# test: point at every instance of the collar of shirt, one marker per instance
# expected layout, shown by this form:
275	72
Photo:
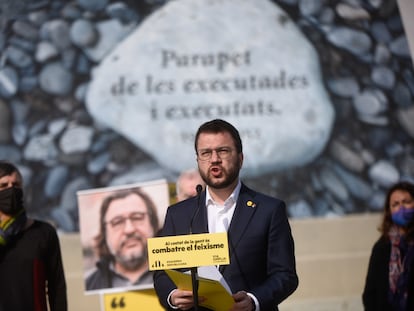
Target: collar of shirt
219	215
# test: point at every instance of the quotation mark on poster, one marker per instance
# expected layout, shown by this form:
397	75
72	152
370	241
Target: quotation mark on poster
115	303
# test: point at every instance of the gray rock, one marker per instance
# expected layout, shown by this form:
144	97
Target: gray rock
376	202
402	95
5	118
83	66
121	11
28	83
81	91
41	148
55	79
37	17
309	7
110	34
25	30
19	133
400	46
300	209
384	173
375	3
83	33
18	57
352	12
76	139
354	41
383	77
370	102
139	173
63	220
68	201
327	16
45	51
37	128
56	180
71	11
10	152
57	31
98	163
155	89
356	185
406	119
382	54
23	44
92	5
344	86
56	126
334	185
381	32
8	82
20	110
349	158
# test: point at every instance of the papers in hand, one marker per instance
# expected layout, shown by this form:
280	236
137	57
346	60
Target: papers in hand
212	287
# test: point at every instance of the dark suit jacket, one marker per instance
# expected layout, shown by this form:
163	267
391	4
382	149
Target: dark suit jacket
261	247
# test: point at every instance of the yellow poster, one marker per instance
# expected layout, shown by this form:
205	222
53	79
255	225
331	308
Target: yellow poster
215	295
132	301
186	251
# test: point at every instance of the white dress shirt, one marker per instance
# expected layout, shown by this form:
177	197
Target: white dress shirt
219	216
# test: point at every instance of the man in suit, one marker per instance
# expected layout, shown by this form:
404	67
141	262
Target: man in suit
262	271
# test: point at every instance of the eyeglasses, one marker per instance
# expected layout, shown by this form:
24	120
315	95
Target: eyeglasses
118	223
222	152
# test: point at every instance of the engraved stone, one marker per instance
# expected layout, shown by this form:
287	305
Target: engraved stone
193	61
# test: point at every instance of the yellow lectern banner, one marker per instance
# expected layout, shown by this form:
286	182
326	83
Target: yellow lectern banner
132	301
186	251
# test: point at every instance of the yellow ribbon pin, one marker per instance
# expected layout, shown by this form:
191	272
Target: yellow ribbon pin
250	204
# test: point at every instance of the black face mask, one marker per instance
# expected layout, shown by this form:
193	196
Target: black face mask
11	200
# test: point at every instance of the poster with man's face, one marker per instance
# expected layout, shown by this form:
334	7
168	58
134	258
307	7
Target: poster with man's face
115	223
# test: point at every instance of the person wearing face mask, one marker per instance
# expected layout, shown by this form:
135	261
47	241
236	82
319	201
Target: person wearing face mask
389	282
31	269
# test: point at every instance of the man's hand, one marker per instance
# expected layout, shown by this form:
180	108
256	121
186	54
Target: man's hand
183	299
243	302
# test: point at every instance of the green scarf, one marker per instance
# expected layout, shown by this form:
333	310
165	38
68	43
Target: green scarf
11	227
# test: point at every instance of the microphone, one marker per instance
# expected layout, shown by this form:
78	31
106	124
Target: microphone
199	188
194	273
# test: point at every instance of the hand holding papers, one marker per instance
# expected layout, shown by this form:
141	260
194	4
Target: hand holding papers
205	251
212	287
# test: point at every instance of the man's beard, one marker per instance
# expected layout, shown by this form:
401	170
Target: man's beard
132	261
230	176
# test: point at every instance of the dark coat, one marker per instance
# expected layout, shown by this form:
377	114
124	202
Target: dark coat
375	295
261	247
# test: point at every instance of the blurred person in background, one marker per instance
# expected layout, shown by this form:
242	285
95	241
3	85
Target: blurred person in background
31	269
187	183
389	284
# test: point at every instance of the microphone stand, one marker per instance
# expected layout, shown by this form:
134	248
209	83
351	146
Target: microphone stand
194	281
194	274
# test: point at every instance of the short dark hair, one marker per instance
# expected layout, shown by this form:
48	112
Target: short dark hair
102	247
219	126
7	168
387	222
